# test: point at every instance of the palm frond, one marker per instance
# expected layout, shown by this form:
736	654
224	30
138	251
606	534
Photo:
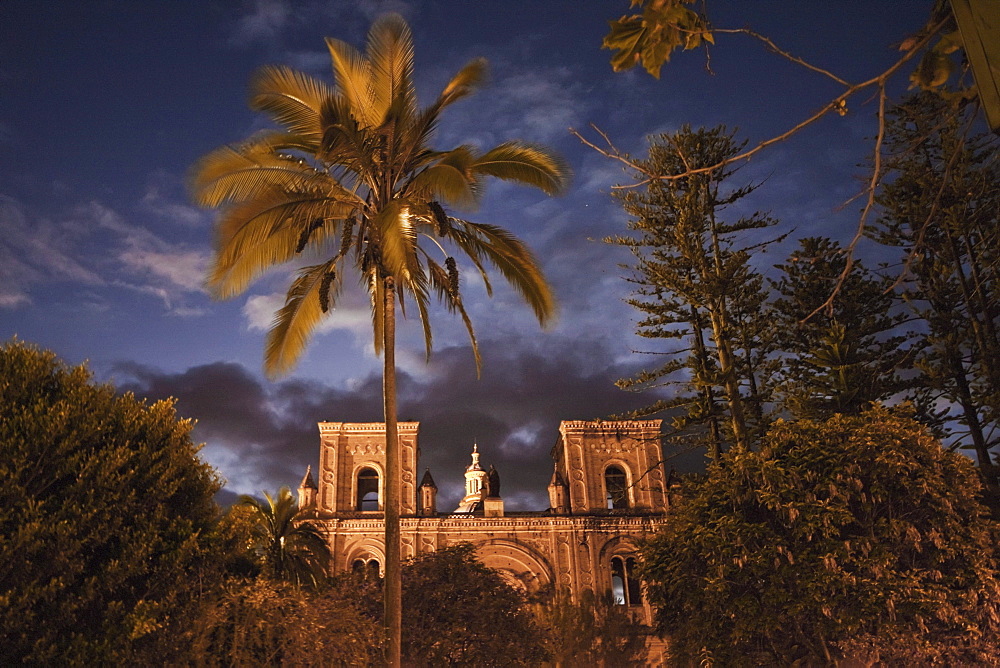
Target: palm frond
295	321
452	300
234	175
418	288
450	179
290	97
421	125
279	142
465	82
468	244
352	73
512	259
414	134
390	52
345	142
527	164
255	236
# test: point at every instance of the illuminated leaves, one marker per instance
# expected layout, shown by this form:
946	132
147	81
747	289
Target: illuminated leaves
936	65
106	516
651	37
834	530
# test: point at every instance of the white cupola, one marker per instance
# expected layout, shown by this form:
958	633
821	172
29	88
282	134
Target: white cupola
475	483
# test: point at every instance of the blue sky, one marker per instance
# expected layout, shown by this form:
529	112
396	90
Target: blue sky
105	105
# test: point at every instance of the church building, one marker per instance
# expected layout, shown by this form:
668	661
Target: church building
608	490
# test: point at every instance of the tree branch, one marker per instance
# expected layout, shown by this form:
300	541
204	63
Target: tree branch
839	104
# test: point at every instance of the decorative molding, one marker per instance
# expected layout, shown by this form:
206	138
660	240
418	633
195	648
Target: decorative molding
366	427
627	426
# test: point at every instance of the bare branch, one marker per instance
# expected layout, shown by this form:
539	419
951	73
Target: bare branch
869	204
785	54
836	104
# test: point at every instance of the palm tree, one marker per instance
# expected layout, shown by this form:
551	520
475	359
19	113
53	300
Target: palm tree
350	178
288	548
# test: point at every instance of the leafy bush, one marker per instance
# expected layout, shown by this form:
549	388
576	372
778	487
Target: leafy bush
106	514
835	533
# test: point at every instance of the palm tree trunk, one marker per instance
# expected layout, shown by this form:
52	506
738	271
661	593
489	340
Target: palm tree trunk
393	590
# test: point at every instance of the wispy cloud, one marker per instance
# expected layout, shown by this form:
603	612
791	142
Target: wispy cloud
35	251
170	270
93	246
264	21
165	200
522	102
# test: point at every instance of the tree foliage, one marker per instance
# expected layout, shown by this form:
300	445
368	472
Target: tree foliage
651	38
106	516
840	358
287	546
459	612
456	612
942	210
266	622
591	632
696	286
837	531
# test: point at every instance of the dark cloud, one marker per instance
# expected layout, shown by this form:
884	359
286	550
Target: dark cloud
264	434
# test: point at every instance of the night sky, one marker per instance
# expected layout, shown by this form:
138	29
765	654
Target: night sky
106	104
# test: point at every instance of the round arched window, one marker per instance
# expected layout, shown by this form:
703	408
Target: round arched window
367	490
616	487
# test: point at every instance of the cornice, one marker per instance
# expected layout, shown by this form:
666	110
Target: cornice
365	427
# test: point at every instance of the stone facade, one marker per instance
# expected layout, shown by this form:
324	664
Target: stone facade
608	490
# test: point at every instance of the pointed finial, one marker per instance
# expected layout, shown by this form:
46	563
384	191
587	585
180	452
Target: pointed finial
474	466
307	479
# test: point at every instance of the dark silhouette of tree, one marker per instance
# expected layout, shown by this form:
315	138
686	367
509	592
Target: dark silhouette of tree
842	358
592	632
695	287
266	622
942	210
459	612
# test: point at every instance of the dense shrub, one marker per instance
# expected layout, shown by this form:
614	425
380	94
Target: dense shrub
858	535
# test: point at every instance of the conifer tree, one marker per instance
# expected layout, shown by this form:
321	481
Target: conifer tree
696	287
942	209
841	358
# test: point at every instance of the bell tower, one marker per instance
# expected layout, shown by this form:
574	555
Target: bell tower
352	467
610	466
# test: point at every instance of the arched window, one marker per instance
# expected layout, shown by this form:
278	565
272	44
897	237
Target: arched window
625	588
366	569
616	487
367	495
